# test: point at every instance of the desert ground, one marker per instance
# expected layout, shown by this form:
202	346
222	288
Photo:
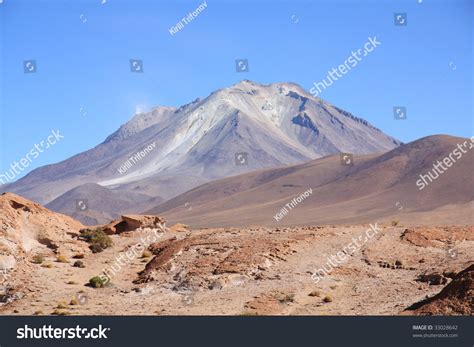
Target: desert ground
241	271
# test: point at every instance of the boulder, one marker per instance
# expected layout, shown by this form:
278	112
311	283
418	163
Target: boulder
457	298
132	222
432	279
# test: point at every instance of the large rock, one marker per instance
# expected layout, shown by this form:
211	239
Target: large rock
26	226
457	298
28	229
132	222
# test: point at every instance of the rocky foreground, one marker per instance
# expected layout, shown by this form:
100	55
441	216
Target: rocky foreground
142	267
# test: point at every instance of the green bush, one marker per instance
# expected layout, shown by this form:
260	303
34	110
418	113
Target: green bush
98	282
97	239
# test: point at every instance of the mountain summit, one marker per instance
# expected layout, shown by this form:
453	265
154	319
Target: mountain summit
167	151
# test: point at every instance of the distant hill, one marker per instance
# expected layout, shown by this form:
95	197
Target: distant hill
377	186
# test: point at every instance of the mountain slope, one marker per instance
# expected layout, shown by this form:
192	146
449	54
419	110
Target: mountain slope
110	202
374	187
140	122
178	149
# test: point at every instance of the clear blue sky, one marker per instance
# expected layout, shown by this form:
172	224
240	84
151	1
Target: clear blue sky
82	50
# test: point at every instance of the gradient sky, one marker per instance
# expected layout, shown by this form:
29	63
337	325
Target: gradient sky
84	88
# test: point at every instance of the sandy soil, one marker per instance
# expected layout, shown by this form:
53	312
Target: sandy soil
251	271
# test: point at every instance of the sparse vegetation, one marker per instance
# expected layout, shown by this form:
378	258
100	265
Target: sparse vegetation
38	313
98	282
287	298
62	304
315	293
97	239
327	298
79	263
395	223
37	259
73	302
60	258
146	254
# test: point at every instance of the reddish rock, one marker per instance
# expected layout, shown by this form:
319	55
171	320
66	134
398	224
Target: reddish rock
26	225
133	222
437	237
457	298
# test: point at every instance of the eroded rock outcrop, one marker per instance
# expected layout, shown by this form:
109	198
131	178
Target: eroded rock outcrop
437	237
132	222
215	260
27	226
457	298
